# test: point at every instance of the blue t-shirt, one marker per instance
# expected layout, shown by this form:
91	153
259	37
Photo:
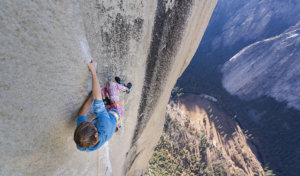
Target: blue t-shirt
105	123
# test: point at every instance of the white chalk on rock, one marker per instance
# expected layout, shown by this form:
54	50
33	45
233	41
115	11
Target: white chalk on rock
86	50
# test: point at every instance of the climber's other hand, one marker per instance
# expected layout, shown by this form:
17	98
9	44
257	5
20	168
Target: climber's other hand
92	66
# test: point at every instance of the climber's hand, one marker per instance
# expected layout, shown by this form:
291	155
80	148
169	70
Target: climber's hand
92	66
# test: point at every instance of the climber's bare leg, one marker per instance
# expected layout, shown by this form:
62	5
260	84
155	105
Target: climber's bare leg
86	105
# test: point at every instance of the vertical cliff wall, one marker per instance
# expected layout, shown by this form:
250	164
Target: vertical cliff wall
44	79
269	67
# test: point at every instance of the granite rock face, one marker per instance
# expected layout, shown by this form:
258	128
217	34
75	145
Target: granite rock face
44	79
247	21
233	26
270	67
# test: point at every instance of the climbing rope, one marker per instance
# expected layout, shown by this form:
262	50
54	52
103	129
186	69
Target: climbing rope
98	162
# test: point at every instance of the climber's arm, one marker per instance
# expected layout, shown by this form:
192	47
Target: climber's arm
96	87
95	82
86	105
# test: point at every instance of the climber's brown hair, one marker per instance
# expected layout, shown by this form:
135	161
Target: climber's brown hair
84	135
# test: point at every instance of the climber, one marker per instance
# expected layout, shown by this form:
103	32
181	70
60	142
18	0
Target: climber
90	136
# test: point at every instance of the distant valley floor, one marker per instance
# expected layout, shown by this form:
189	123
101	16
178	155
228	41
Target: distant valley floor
200	139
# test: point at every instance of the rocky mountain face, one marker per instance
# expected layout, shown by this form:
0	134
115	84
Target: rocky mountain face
269	67
249	21
44	79
200	139
233	26
266	34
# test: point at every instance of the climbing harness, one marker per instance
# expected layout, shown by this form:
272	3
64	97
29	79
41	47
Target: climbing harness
119	103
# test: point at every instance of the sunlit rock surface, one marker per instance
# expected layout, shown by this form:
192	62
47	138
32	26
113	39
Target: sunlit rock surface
243	21
44	79
226	143
270	67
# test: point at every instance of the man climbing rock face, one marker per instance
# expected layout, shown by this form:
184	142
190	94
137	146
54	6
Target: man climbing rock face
90	136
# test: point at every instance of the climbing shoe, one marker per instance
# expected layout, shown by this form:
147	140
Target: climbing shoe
129	85
118	80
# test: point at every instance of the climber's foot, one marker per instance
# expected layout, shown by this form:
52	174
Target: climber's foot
119	81
129	85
